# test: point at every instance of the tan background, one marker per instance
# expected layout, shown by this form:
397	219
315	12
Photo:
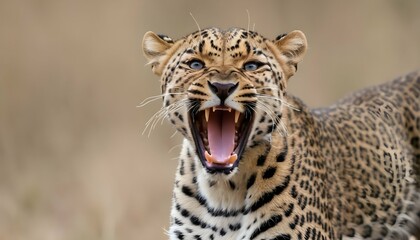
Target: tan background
73	162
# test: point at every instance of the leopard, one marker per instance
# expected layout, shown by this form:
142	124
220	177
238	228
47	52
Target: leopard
258	163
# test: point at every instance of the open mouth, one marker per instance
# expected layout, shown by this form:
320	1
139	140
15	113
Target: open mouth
220	134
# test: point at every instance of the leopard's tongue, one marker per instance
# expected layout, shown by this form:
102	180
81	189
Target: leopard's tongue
221	137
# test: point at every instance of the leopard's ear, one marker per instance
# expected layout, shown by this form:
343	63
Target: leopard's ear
291	49
156	50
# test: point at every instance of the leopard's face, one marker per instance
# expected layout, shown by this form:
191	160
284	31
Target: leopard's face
223	90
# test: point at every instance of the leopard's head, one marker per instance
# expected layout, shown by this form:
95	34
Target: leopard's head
224	90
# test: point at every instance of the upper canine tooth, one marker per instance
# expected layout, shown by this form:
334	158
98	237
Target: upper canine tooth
229	109
214	109
206	114
237	113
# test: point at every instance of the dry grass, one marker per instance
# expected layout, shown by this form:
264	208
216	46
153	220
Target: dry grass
73	164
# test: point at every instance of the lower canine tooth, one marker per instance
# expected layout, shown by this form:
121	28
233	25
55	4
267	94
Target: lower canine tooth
233	158
237	116
208	157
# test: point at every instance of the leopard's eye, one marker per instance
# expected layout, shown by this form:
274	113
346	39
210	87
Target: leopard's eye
196	64
252	65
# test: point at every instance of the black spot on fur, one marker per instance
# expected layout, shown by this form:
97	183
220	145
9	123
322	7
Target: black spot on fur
261	160
268	196
281	157
235	227
289	210
187	191
269	172
179	235
232	185
269	223
251	181
282	237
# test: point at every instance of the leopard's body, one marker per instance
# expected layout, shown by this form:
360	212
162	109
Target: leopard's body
349	171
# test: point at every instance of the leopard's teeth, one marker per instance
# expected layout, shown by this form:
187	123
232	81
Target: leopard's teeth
214	109
237	116
207	114
229	109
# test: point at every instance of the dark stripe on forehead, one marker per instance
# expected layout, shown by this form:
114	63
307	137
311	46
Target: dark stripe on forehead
248	47
213	42
201	46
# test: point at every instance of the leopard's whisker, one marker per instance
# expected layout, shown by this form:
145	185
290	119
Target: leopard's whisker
276	129
156	97
278	119
174	147
173	134
280	100
151	120
199	29
283	125
171	109
166	232
162	114
270	114
249	19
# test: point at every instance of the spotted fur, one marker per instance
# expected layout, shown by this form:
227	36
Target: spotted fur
349	171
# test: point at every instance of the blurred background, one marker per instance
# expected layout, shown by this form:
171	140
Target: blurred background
73	161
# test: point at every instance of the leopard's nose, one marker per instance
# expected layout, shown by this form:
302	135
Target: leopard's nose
222	90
